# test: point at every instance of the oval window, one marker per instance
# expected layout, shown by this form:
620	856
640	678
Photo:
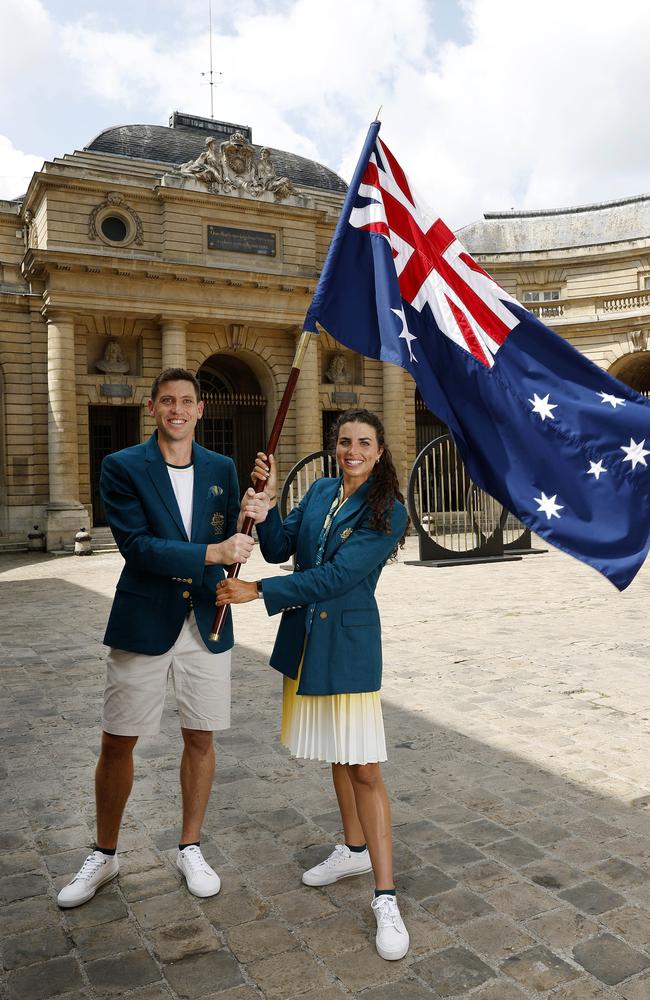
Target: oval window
114	228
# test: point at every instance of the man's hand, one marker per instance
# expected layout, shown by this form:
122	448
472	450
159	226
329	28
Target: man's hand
265	470
235	592
255	505
236	549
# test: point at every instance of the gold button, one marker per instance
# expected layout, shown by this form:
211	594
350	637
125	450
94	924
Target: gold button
189	579
186	593
323	614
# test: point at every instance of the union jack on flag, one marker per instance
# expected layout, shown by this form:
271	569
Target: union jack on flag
557	440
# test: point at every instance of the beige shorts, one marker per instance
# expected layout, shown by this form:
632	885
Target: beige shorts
134	696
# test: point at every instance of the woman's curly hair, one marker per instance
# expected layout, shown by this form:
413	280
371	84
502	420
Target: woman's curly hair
384	484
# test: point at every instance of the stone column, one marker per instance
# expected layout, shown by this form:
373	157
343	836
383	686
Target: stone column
65	514
394	419
174	343
308	413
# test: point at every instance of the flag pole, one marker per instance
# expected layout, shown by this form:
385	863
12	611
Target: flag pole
258	484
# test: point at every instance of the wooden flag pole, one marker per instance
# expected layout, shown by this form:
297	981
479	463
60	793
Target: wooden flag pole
258	484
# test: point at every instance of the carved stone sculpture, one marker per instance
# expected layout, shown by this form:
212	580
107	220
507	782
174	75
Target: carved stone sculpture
234	167
337	372
113	360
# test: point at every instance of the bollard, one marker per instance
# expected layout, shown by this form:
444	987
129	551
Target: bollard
36	540
83	543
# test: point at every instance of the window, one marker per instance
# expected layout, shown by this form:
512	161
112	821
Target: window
646	282
537	295
114	228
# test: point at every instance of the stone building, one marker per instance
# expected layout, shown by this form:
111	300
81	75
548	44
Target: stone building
188	245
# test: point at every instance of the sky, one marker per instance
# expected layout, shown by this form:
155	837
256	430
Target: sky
488	104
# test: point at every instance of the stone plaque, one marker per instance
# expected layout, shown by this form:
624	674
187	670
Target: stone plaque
241	240
116	391
345	397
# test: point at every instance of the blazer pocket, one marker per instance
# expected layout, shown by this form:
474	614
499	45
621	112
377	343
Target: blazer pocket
359	617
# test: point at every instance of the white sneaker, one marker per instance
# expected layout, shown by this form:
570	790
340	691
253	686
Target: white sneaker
341	863
392	941
96	869
201	879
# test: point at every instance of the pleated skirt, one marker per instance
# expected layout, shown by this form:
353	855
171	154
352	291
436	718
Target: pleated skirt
336	728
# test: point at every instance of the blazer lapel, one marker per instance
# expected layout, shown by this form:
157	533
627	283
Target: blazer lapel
160	478
314	520
201	487
345	521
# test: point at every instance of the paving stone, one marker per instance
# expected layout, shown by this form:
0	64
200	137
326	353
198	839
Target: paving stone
630	923
592	897
259	939
453	972
428	881
272	879
279	978
200	974
552	874
609	960
621	873
457	906
303	904
520	900
27	914
450	854
582	989
538	969
104	907
562	928
19	863
189	937
403	989
121	972
515	852
423	832
499	989
481	832
171	907
34	946
495	937
154	882
45	979
541	832
486	875
335	935
638	989
363	969
112	938
231	909
21	887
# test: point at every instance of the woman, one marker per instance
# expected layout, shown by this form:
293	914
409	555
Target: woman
329	645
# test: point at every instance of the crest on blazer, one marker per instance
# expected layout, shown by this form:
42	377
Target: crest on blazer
217	521
346	533
215	491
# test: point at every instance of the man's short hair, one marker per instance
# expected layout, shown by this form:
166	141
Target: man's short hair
175	375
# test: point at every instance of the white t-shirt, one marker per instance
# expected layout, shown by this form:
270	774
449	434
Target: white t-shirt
182	477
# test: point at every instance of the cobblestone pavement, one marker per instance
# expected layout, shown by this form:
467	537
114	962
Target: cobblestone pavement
517	699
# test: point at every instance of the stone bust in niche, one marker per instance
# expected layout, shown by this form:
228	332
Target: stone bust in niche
113	361
337	372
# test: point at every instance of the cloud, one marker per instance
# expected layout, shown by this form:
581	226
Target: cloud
527	112
16	169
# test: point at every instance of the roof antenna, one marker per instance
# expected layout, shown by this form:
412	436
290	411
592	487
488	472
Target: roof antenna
211	72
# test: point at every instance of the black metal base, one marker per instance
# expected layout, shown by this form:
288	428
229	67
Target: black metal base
462	562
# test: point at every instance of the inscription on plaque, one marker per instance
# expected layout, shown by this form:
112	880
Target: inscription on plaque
241	240
116	391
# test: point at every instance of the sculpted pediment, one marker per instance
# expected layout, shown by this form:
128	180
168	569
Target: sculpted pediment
233	167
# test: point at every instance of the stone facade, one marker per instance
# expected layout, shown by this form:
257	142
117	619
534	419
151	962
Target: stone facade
190	246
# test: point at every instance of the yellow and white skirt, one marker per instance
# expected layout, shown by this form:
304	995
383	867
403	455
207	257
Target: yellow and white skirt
336	728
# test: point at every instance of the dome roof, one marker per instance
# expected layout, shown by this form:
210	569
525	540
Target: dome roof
182	142
559	228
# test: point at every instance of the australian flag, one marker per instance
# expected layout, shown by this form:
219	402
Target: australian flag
555	439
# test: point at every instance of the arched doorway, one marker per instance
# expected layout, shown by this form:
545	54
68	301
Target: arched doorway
233	421
634	370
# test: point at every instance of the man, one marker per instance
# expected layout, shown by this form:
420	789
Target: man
174	510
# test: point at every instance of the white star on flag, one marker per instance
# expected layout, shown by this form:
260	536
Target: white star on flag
596	469
635	453
548	505
614	401
405	334
542	406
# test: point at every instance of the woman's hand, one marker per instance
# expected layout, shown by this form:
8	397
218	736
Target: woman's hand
255	505
266	471
235	592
